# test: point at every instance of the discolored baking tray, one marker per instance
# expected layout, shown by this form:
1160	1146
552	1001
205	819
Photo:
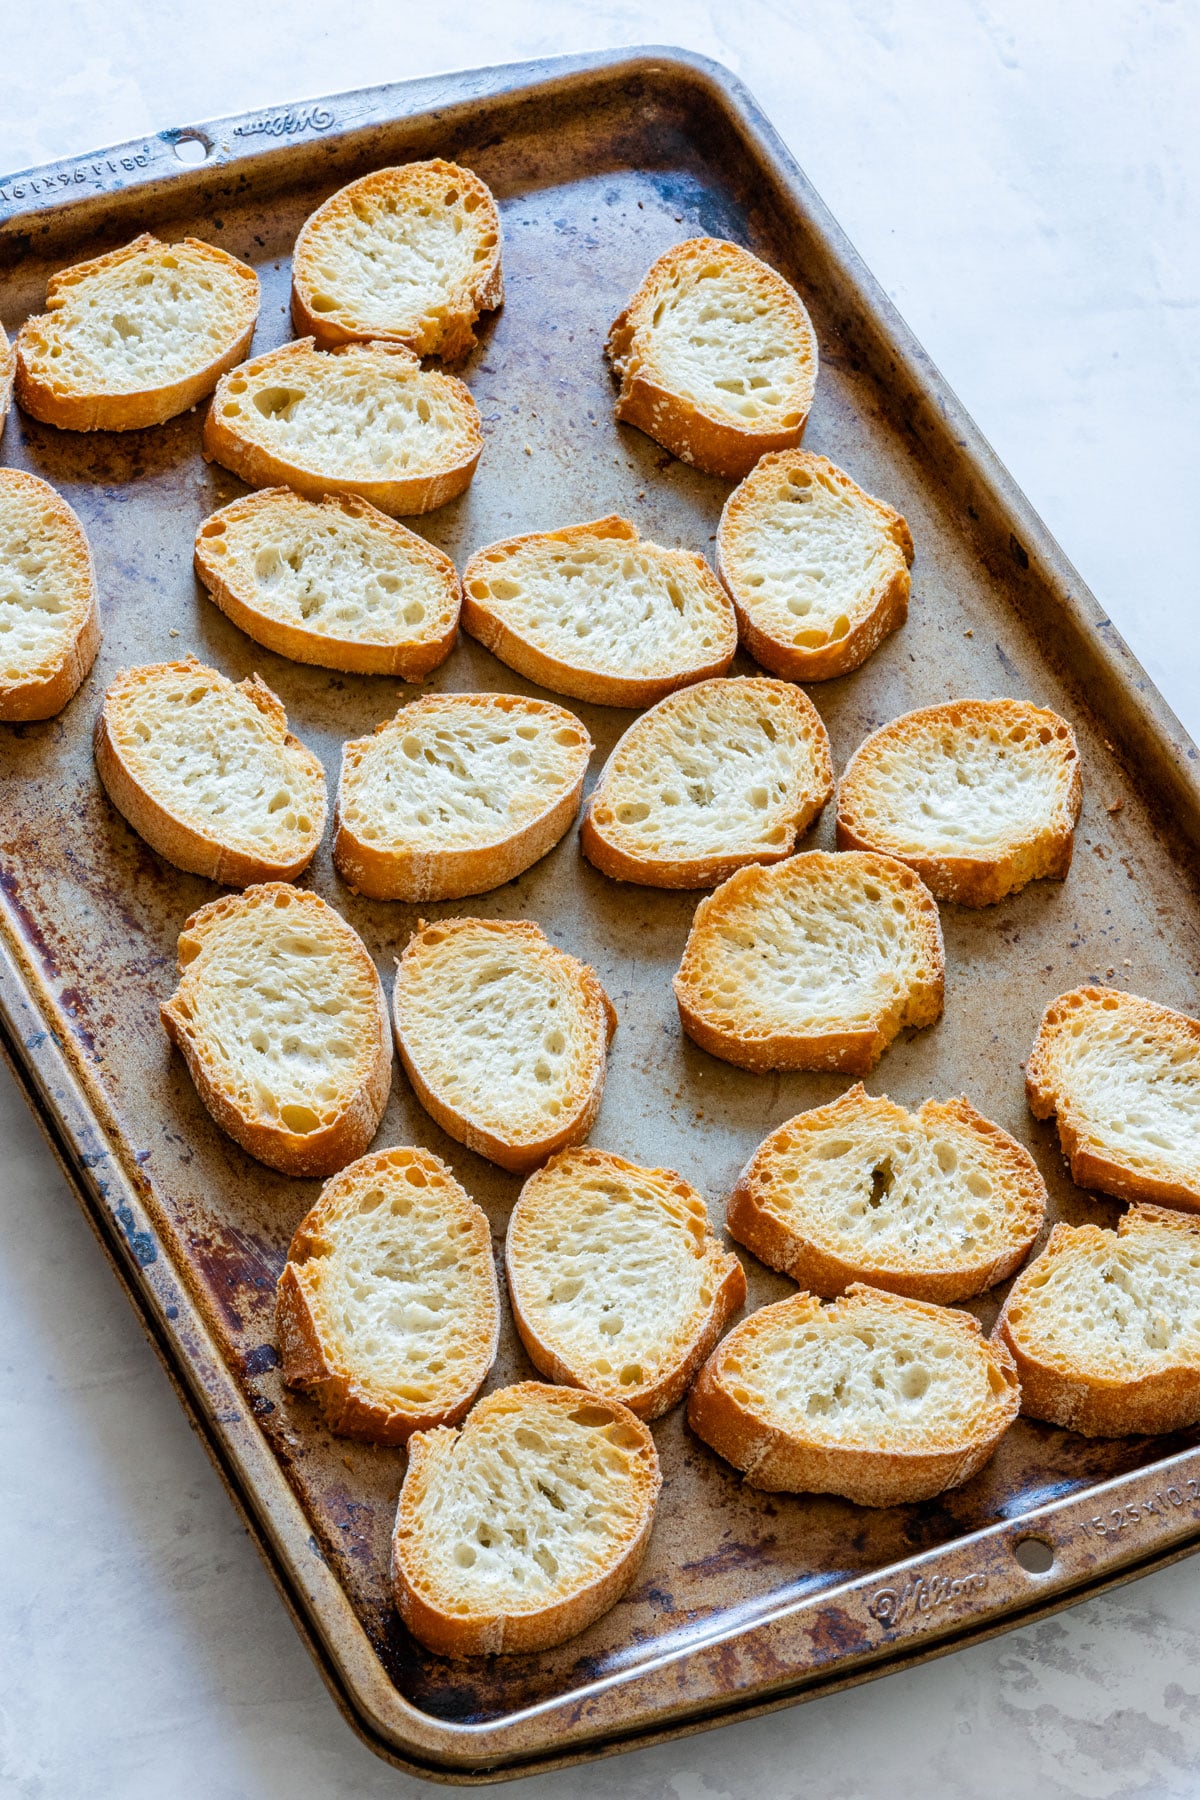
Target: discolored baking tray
746	1600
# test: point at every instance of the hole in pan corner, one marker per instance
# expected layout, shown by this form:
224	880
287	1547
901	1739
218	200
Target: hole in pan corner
1034	1554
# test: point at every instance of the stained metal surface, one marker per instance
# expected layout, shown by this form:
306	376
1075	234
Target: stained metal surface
745	1599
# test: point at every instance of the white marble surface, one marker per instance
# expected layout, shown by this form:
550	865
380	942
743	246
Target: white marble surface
1023	178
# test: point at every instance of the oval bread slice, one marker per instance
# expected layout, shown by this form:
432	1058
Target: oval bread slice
333	582
1105	1326
49	619
136	336
388	1312
979	797
883	1400
207	772
817	569
8	371
281	1020
409	255
617	1282
520	1529
503	1036
365	419
716	356
934	1205
1122	1074
816	963
457	794
594	612
725	773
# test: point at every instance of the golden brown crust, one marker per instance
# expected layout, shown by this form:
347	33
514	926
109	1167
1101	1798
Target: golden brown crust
43	697
8	370
40	396
408	660
967	880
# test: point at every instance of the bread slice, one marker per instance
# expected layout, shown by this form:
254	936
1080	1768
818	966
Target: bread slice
1122	1075
519	1530
616	1280
365	419
503	1036
333	582
816	963
135	336
457	794
817	569
594	612
934	1205
725	773
387	1311
1105	1326
207	772
883	1400
49	619
282	1022
716	356
979	797
8	371
409	255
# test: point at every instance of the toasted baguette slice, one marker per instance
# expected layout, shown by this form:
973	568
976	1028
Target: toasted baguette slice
457	794
616	1280
387	1310
282	1022
979	797
935	1205
8	370
207	772
727	772
883	1400
716	356
333	582
408	256
816	569
520	1529
504	1037
136	336
365	419
594	612
1122	1075
49	619
1105	1326
816	963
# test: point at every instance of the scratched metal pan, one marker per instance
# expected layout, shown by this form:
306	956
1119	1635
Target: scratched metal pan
746	1600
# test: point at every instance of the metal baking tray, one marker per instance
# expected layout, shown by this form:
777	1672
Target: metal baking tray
746	1600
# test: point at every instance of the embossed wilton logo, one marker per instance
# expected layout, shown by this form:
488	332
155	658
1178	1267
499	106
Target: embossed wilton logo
317	118
890	1605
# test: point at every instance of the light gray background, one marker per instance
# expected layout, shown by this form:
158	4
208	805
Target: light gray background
1023	179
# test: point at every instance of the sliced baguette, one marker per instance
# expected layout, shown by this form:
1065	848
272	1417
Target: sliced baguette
503	1037
716	357
8	371
616	1280
388	1311
979	797
365	419
817	570
725	773
135	336
1122	1076
935	1205
409	255
883	1400
49	618
816	963
1105	1326
333	582
207	772
456	795
281	1020
594	612
517	1531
